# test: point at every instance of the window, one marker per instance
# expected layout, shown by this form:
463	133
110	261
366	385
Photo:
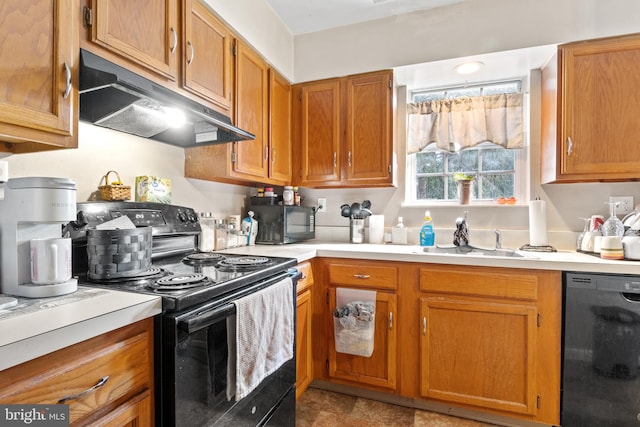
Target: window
497	172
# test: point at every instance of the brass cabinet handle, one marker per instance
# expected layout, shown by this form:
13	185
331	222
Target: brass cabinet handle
390	320
193	52
335	159
99	384
424	326
273	155
67	90
569	146
361	276
172	49
349	158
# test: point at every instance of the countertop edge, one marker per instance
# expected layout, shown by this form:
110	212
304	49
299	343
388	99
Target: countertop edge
33	346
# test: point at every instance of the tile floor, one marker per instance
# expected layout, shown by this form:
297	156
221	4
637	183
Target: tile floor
320	408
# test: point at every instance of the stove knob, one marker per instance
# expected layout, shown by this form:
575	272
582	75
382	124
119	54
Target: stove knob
182	217
192	217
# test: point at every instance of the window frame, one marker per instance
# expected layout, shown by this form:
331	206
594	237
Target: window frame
521	159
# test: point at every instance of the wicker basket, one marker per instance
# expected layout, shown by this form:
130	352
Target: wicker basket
115	191
118	253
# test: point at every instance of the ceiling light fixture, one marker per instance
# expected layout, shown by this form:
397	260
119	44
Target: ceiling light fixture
468	67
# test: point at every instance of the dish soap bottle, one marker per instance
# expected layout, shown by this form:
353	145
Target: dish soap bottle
399	233
427	236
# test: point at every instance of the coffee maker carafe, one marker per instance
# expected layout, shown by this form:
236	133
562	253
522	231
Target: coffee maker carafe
32	208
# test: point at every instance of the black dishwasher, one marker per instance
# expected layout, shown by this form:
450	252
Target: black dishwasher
601	348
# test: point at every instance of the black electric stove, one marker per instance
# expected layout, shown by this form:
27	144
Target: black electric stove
199	291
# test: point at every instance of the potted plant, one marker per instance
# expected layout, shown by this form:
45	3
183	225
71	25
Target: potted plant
464	183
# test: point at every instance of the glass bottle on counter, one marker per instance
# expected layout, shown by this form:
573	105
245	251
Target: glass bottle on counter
206	240
296	197
221	234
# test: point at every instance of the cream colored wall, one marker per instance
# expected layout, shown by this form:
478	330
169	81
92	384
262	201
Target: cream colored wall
468	28
101	150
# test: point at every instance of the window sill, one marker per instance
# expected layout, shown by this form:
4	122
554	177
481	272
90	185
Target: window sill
455	203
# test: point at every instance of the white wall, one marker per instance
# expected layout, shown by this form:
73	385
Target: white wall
101	150
463	29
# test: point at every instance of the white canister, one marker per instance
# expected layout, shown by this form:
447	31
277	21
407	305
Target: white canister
287	195
50	260
376	229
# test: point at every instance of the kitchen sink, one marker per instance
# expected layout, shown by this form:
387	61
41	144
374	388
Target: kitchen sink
472	250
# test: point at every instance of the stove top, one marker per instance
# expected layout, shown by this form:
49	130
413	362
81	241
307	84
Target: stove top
185	281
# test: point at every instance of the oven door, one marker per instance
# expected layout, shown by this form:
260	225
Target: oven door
194	362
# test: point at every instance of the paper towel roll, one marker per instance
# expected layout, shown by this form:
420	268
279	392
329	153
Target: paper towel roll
537	223
376	229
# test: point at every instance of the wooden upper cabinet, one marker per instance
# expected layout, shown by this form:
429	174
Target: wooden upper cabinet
343	131
280	165
38	53
590	112
207	56
143	31
369	128
319	125
251	158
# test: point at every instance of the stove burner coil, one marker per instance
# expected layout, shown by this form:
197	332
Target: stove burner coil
245	261
203	258
179	281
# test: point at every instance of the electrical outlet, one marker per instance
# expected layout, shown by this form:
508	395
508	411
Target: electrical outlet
625	204
322	204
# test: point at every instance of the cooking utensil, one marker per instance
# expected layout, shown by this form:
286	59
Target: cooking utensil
345	210
366	204
365	212
355	209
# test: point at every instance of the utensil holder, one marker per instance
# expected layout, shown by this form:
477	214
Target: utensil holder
356	230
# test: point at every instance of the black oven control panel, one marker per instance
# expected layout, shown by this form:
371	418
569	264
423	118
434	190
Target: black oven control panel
164	218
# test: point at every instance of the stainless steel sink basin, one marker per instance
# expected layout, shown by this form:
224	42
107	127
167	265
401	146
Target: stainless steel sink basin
472	250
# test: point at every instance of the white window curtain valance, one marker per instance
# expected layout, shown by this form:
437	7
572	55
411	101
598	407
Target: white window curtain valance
455	124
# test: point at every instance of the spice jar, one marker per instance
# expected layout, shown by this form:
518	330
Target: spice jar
296	196
268	192
287	195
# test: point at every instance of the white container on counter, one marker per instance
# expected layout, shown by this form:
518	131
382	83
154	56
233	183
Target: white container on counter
207	239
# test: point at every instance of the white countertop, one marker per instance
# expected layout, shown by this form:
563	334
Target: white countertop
64	321
561	260
32	334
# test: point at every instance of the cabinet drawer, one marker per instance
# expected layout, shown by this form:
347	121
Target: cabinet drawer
90	375
364	275
307	276
505	283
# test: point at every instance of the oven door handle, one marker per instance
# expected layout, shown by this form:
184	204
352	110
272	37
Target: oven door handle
207	318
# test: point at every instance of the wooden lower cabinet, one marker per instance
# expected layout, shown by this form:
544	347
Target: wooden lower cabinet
379	369
304	313
106	380
480	339
478	353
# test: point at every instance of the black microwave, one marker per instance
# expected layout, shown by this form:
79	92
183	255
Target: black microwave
280	224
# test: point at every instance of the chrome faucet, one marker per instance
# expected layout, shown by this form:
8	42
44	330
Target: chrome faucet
461	235
498	239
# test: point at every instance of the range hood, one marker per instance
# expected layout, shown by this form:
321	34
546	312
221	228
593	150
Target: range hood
115	98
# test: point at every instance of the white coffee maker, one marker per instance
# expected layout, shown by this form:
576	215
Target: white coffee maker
32	208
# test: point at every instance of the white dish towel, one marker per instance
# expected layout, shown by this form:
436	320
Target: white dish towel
261	338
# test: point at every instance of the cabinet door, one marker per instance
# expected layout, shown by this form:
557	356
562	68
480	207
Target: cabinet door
369	129
38	51
251	158
598	111
303	342
379	369
143	31
478	353
136	412
279	128
206	58
320	133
